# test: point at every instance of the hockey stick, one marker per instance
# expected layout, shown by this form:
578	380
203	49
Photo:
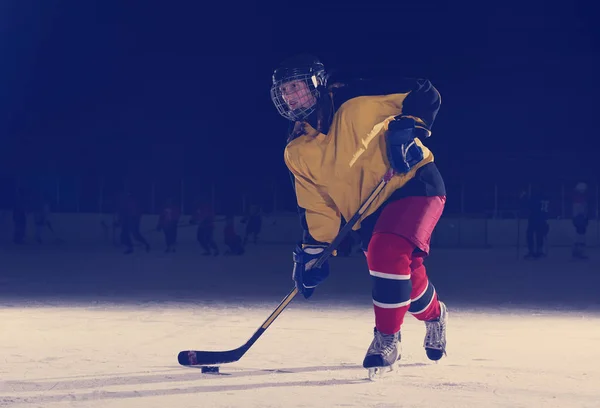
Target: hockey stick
199	358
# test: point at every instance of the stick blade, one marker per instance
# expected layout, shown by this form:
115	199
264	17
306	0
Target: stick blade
198	358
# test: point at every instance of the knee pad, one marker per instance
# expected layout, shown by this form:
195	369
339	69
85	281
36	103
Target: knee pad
389	259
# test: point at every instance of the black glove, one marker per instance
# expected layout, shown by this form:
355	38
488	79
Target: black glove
402	151
305	276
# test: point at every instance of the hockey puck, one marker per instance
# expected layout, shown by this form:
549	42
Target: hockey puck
210	369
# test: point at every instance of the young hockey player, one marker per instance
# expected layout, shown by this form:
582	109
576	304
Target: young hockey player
345	136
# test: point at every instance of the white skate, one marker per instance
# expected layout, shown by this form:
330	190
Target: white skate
435	338
383	354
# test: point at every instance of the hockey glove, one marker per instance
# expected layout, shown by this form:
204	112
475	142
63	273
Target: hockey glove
305	276
402	151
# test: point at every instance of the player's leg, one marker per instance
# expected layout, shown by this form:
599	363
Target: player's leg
170	231
211	241
126	236
137	235
414	219
424	303
540	235
202	237
530	233
426	307
388	258
580	223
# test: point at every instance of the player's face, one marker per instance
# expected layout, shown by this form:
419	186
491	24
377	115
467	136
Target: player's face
297	95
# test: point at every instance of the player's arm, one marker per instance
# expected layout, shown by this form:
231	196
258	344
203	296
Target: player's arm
419	109
319	217
421	103
320	220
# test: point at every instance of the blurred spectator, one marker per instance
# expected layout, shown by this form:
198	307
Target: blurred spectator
580	220
41	217
129	220
232	240
253	221
168	223
537	207
204	218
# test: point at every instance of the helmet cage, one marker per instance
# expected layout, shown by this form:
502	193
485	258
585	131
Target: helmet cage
312	78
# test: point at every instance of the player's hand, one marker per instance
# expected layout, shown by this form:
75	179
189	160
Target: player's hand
307	277
402	151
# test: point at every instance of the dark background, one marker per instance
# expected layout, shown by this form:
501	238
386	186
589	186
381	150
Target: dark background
154	90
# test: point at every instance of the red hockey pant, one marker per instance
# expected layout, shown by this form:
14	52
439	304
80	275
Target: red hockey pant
395	254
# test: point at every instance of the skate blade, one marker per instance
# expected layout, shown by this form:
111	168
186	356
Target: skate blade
377	373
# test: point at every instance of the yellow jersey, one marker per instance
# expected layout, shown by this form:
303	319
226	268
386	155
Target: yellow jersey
334	173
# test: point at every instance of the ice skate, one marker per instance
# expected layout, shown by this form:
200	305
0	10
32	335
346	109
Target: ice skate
435	338
383	354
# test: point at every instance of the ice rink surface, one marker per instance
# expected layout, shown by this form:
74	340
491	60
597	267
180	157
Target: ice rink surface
89	327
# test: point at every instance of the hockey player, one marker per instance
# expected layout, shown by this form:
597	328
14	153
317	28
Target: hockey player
130	219
168	222
580	219
204	218
232	240
344	136
537	222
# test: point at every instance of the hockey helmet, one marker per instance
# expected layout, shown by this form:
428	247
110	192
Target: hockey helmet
297	84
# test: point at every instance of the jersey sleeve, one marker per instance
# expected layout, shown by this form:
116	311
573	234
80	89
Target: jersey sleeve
422	101
319	217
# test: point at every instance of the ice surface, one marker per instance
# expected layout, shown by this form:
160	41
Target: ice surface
89	327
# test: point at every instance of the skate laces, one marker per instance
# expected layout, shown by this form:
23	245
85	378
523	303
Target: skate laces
383	343
434	337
